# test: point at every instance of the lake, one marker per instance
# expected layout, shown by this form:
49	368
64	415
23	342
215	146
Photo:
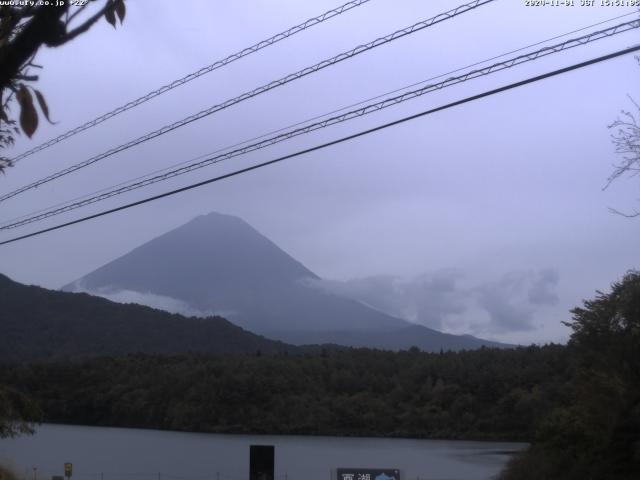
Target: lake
99	453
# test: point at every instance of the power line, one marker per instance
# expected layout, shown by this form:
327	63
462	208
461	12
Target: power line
262	89
327	122
374	107
302	122
335	142
192	76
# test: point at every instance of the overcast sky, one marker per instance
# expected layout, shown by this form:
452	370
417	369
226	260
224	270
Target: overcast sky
488	218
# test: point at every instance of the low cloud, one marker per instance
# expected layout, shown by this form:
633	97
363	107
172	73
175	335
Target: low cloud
542	291
445	299
512	301
160	302
427	299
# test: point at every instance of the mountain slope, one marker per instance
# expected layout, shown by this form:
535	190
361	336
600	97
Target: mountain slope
40	324
218	263
202	263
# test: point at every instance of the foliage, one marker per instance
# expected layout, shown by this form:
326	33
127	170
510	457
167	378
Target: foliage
596	434
24	28
481	394
17	413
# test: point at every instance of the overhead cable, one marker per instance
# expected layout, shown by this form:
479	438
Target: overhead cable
367	109
257	91
316	117
192	76
334	142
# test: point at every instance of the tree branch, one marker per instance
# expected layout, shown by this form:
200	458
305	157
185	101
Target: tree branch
627	215
43	27
27	78
85	26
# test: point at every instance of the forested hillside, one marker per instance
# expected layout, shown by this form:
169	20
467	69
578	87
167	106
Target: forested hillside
488	393
41	324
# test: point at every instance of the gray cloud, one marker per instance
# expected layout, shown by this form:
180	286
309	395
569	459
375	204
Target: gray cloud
161	302
502	300
542	291
444	300
436	297
512	300
427	299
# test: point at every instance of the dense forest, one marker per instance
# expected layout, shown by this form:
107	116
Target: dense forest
477	394
40	324
578	405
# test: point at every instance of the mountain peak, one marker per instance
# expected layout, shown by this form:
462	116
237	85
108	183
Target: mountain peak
219	264
197	261
217	218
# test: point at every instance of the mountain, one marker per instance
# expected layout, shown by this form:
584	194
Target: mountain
40	324
219	264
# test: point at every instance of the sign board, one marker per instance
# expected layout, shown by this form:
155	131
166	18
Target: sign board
368	474
68	469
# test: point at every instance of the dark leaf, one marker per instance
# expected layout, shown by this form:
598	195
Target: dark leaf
120	10
110	16
43	105
28	114
5	163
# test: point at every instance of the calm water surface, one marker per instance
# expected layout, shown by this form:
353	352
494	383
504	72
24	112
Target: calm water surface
99	453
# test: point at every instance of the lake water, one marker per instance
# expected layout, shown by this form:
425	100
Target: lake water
99	453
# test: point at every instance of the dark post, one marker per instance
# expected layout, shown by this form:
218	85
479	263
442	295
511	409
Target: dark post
261	462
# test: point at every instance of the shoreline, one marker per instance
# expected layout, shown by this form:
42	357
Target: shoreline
290	435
